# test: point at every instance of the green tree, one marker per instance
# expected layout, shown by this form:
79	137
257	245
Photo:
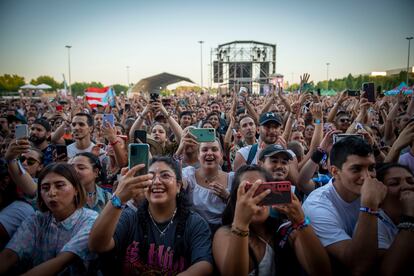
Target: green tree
349	82
11	82
119	87
46	80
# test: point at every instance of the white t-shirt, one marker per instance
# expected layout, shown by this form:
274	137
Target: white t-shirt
332	218
73	150
244	151
203	200
387	231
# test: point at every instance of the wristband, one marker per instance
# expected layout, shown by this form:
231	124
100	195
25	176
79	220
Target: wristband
409	226
114	143
317	122
301	225
238	232
318	155
368	211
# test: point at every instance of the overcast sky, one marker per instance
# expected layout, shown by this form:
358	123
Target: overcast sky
354	36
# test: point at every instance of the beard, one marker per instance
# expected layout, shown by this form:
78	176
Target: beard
37	140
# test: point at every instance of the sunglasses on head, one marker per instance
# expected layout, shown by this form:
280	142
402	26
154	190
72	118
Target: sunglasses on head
30	161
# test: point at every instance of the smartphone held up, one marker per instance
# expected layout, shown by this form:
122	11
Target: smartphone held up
280	192
138	154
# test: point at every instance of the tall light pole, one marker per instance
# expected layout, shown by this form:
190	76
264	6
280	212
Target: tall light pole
201	60
70	78
327	75
127	68
408	59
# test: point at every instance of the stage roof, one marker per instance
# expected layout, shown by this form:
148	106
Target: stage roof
157	82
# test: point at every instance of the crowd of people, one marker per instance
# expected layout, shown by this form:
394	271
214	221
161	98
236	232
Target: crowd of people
71	205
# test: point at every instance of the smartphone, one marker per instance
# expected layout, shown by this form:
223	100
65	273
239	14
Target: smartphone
369	89
281	192
109	118
339	137
204	134
353	93
21	131
127	107
154	97
59	108
61	151
138	154
141	135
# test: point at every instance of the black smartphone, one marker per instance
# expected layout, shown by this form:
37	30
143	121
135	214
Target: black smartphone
369	89
141	135
154	97
353	93
127	107
61	151
138	154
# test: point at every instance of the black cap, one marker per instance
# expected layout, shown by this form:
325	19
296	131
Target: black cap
43	123
274	149
270	117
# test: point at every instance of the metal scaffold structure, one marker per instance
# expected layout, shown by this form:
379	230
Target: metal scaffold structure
247	63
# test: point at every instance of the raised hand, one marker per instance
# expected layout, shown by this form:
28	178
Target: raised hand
293	210
247	203
304	79
373	192
327	140
316	111
219	190
16	148
130	185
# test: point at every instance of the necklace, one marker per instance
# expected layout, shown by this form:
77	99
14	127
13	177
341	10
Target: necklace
91	194
209	180
162	233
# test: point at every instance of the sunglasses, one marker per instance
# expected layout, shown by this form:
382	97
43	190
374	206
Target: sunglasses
30	161
344	120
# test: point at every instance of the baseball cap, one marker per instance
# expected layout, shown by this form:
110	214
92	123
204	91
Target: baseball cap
272	150
43	123
270	117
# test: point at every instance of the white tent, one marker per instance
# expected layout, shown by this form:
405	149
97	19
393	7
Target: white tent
28	86
43	86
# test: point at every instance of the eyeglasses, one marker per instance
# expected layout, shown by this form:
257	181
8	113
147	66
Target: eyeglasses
164	176
30	161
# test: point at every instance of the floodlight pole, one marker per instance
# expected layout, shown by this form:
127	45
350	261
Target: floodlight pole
201	60
70	79
408	58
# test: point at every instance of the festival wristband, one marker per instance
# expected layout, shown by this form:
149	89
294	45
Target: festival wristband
369	211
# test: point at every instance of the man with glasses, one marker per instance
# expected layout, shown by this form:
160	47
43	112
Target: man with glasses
342	121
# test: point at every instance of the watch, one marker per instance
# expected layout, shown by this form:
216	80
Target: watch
116	202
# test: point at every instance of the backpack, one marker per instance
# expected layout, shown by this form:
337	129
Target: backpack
252	154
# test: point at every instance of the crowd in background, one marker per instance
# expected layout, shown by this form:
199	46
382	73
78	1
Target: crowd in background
70	205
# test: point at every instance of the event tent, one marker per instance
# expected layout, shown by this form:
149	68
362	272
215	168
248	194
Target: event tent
43	86
28	86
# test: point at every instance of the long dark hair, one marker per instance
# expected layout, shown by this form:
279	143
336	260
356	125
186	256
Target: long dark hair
96	164
183	211
382	169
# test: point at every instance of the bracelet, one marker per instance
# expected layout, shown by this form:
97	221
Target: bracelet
114	143
369	211
409	226
301	225
238	232
317	121
405	218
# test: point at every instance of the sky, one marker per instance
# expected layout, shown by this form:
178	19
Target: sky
154	36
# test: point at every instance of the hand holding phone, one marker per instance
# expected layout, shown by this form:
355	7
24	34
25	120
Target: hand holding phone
204	134
108	118
138	154
369	89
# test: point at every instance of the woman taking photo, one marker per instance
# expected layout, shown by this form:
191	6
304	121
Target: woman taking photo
90	174
163	237
251	243
54	240
208	187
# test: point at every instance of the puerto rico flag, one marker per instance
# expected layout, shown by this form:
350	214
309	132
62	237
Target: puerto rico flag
99	96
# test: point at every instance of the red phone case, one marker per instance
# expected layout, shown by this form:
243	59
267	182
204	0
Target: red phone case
281	192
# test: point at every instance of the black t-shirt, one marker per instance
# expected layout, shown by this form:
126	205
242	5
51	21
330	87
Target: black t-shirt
159	260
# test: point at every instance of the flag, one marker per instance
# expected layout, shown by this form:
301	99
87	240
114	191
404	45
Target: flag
100	96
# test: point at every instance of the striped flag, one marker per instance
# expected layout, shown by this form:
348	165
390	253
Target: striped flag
96	96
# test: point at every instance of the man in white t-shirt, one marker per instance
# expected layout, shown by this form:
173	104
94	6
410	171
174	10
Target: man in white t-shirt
343	212
82	127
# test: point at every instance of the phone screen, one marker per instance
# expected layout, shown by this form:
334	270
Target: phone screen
204	134
138	154
141	135
61	151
